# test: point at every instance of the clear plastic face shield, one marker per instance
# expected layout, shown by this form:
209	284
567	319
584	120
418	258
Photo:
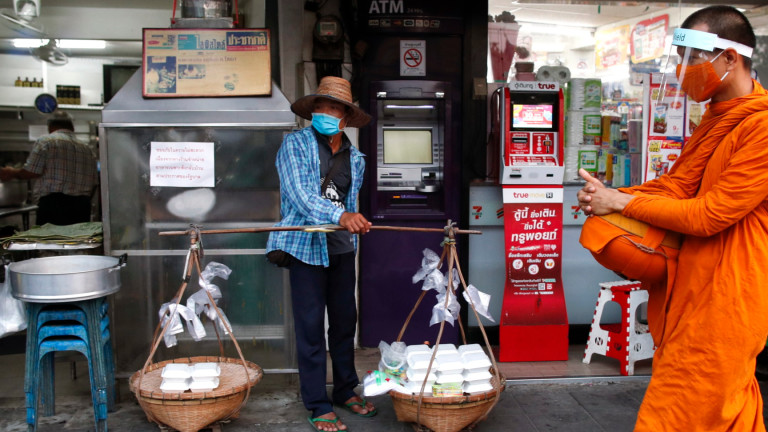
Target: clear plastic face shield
695	51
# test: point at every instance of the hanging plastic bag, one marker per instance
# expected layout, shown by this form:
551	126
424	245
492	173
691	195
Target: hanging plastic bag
13	316
393	359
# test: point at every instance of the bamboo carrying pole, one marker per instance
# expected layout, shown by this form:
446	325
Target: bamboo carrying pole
316	228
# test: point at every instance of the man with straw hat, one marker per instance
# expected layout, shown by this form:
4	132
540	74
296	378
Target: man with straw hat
320	178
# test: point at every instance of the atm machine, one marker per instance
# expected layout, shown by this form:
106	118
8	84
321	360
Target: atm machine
534	321
412	181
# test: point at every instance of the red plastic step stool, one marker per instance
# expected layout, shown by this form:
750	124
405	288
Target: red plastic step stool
621	341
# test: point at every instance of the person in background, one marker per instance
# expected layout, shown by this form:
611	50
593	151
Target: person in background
322	266
66	174
709	321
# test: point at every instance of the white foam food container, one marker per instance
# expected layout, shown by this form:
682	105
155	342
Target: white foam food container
205	370
417	348
476	374
443	378
174	385
203	385
176	370
420	374
415	387
450	362
470	348
476	361
420	360
444	349
477	386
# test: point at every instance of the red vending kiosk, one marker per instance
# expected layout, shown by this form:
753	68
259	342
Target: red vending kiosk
534	321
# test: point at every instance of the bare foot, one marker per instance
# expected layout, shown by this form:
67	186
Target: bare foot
358	407
329	426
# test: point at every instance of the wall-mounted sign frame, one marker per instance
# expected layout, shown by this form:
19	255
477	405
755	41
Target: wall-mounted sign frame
206	62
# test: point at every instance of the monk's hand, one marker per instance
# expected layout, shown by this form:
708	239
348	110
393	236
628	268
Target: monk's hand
597	199
355	223
585	194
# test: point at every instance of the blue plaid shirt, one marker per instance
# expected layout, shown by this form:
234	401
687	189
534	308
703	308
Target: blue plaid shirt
298	164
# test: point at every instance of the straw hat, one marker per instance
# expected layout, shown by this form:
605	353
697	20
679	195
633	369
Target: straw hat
338	90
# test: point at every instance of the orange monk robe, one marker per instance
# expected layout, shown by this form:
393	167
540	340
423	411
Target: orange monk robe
710	321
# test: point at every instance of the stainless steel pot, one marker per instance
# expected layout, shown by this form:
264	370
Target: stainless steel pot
13	193
65	278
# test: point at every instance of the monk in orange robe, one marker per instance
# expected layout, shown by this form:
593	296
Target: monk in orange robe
709	320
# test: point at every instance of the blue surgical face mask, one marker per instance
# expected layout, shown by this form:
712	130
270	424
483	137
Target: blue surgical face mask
326	124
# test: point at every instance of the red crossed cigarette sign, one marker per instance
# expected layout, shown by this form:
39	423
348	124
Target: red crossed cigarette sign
412	57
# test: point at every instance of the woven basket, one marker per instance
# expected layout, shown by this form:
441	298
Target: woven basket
446	414
192	411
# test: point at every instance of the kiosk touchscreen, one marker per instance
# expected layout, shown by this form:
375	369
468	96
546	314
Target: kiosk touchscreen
532	149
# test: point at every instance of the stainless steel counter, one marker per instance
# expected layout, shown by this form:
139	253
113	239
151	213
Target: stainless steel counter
22	210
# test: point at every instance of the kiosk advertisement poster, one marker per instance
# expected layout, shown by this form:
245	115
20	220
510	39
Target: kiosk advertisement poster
534	323
668	125
206	62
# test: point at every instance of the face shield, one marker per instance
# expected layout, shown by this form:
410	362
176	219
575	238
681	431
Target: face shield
695	51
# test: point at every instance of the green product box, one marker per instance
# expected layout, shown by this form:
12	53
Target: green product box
588	160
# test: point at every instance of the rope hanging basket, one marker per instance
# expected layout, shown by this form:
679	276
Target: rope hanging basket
190	411
448	413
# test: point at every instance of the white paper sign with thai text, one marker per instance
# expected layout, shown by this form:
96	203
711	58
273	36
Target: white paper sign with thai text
181	164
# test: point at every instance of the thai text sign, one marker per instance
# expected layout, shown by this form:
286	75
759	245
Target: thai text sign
206	62
181	164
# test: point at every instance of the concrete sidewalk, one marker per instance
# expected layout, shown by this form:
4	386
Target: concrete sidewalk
587	404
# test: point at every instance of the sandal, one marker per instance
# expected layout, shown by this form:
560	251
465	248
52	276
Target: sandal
362	404
319	419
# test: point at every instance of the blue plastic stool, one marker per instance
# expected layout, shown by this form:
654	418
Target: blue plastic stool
76	326
65	315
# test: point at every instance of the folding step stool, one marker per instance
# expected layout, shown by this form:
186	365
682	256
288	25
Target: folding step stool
620	341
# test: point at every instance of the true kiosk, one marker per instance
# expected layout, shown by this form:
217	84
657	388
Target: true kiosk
534	322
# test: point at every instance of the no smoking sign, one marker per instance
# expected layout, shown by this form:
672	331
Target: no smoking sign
412	58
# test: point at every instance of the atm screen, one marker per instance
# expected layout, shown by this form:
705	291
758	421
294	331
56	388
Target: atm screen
526	116
408	146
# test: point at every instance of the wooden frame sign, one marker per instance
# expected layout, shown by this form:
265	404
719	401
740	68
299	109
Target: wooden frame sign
206	62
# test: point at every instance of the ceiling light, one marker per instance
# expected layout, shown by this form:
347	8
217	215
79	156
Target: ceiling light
61	43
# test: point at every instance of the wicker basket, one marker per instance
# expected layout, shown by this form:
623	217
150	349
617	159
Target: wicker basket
446	414
192	411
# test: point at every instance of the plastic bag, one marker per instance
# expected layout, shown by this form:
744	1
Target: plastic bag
13	316
377	383
393	359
